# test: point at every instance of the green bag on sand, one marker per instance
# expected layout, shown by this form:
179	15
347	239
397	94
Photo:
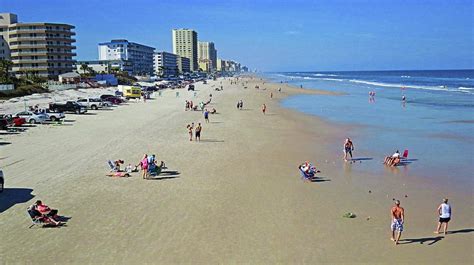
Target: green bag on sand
349	215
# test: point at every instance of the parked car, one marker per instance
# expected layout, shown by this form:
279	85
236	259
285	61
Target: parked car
54	116
90	103
115	100
3	123
9	120
105	103
69	106
32	117
190	87
2	181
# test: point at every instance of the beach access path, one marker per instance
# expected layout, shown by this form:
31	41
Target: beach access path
234	197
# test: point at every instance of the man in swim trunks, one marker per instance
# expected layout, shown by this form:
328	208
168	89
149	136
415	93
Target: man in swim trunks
398	219
348	148
198	132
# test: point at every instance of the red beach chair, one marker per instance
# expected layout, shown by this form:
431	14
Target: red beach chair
405	154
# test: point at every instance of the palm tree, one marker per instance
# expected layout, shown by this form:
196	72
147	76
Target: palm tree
5	70
90	70
84	68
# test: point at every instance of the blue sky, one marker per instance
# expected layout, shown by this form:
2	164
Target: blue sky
279	35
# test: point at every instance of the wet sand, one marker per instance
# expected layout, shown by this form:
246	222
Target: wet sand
235	197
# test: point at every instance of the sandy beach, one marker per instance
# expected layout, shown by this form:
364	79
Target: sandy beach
234	197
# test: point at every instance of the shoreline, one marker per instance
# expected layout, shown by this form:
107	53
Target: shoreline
237	198
361	131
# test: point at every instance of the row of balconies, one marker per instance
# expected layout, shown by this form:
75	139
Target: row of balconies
17	53
41	60
41	38
40	30
41	45
40	68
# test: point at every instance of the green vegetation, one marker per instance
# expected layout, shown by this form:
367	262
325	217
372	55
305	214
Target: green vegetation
25	85
123	77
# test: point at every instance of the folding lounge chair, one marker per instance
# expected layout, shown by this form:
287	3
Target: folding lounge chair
305	175
36	219
114	171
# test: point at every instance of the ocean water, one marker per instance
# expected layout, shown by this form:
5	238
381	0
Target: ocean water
435	122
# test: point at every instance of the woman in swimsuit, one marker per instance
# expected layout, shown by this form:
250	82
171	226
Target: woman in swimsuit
144	165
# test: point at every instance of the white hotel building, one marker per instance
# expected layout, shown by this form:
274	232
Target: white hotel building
165	63
139	56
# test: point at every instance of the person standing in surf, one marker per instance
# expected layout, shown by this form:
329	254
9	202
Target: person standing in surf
444	212
348	148
398	220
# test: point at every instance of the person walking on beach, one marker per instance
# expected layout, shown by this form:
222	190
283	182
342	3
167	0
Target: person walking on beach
348	148
264	108
144	166
444	212
190	131
398	219
198	132
271	94
241	104
206	116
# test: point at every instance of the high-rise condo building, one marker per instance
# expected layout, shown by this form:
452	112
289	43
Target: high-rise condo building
165	63
220	65
185	44
139	56
207	53
42	49
184	65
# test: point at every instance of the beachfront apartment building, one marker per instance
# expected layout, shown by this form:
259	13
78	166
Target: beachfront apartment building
184	65
165	63
42	49
185	44
220	65
4	50
207	53
232	66
139	56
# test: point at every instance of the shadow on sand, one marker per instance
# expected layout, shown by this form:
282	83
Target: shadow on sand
422	241
9	133
11	196
461	231
166	174
319	179
362	159
212	141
